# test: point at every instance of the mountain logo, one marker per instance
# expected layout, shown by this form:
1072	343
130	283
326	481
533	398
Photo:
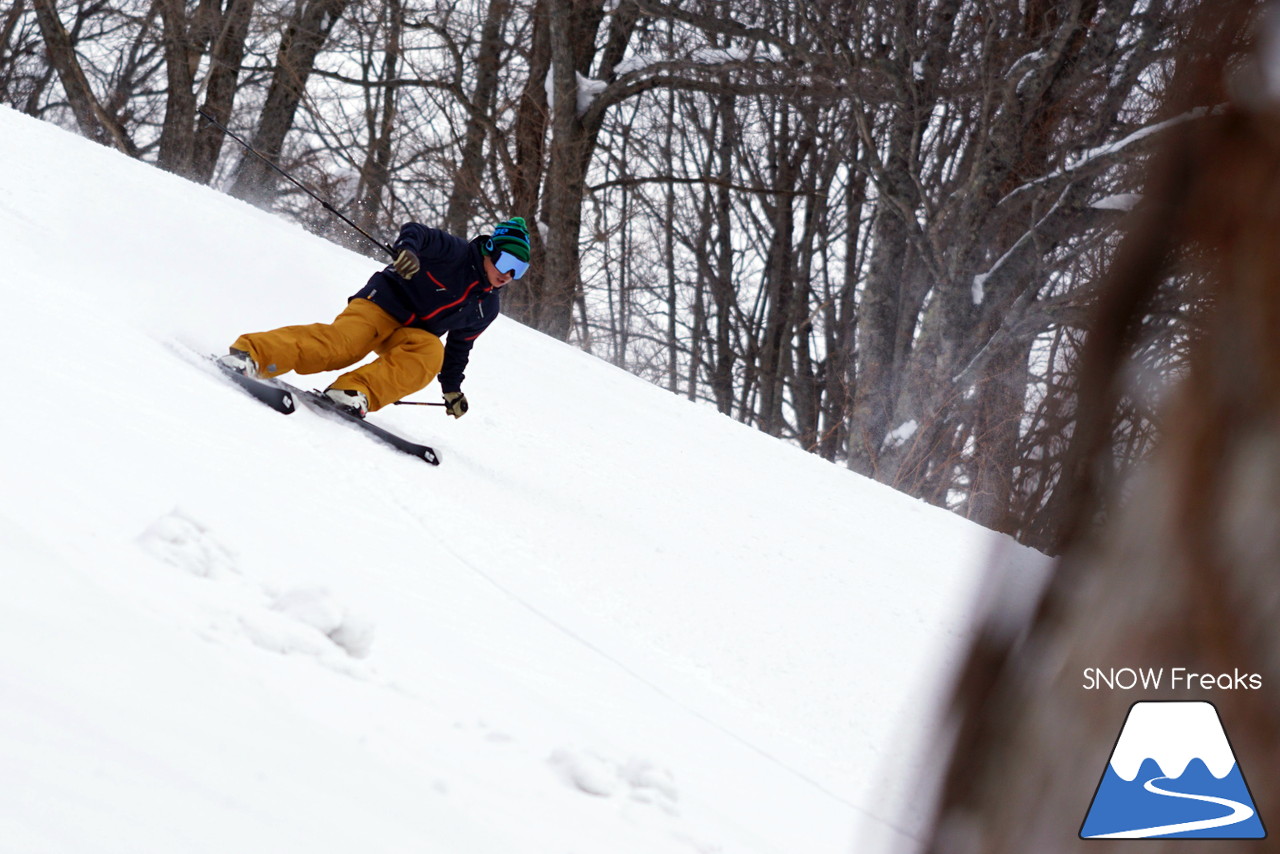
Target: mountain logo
1172	775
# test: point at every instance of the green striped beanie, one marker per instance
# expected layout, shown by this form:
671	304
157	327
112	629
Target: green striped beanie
510	235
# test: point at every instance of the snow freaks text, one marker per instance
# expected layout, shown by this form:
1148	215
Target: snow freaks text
1172	678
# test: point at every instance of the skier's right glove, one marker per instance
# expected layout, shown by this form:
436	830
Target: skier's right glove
406	264
455	403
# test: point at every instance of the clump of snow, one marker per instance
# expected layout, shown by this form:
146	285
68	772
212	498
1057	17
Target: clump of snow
587	771
1021	70
980	287
638	62
317	607
181	541
316	621
901	434
650	783
600	776
1118	202
698	56
588	90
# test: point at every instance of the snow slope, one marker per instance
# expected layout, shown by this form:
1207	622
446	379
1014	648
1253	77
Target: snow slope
612	620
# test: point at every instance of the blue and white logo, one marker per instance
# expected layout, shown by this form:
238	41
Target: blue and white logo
1173	775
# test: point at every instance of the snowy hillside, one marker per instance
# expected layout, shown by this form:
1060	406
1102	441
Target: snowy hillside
610	621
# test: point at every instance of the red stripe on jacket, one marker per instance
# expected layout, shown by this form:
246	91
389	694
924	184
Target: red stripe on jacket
460	299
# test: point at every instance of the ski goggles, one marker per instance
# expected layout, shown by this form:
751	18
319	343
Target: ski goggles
508	264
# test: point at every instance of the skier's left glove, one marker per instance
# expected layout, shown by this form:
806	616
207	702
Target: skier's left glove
455	403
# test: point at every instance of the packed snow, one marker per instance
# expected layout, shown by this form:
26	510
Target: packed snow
611	620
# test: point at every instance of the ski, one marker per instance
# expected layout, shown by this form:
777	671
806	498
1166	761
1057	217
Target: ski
414	449
273	394
282	397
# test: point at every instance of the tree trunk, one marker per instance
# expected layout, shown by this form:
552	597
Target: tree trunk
720	262
565	183
996	430
565	48
304	36
177	135
375	173
466	189
530	131
94	121
7	29
225	57
880	315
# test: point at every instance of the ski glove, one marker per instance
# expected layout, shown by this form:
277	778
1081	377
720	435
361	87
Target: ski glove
406	264
455	403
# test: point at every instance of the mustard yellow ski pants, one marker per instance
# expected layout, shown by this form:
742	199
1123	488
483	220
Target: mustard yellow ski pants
408	359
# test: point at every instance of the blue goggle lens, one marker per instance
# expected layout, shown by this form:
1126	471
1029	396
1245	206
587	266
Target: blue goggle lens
508	263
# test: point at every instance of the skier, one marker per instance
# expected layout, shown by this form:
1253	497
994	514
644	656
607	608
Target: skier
438	285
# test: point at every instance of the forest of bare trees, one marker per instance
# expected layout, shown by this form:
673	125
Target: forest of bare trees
1182	566
870	228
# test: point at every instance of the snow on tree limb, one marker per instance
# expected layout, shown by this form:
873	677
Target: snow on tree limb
1101	155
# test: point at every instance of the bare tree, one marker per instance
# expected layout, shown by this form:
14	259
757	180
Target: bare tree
1182	573
95	121
468	183
225	30
23	77
306	31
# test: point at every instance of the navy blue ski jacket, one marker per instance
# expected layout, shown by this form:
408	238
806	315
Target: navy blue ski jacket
449	295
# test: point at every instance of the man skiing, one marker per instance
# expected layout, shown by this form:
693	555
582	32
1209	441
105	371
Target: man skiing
438	285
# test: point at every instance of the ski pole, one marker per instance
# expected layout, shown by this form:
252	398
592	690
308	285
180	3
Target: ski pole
417	403
330	208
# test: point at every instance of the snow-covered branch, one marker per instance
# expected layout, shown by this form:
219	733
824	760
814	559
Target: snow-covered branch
1104	155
